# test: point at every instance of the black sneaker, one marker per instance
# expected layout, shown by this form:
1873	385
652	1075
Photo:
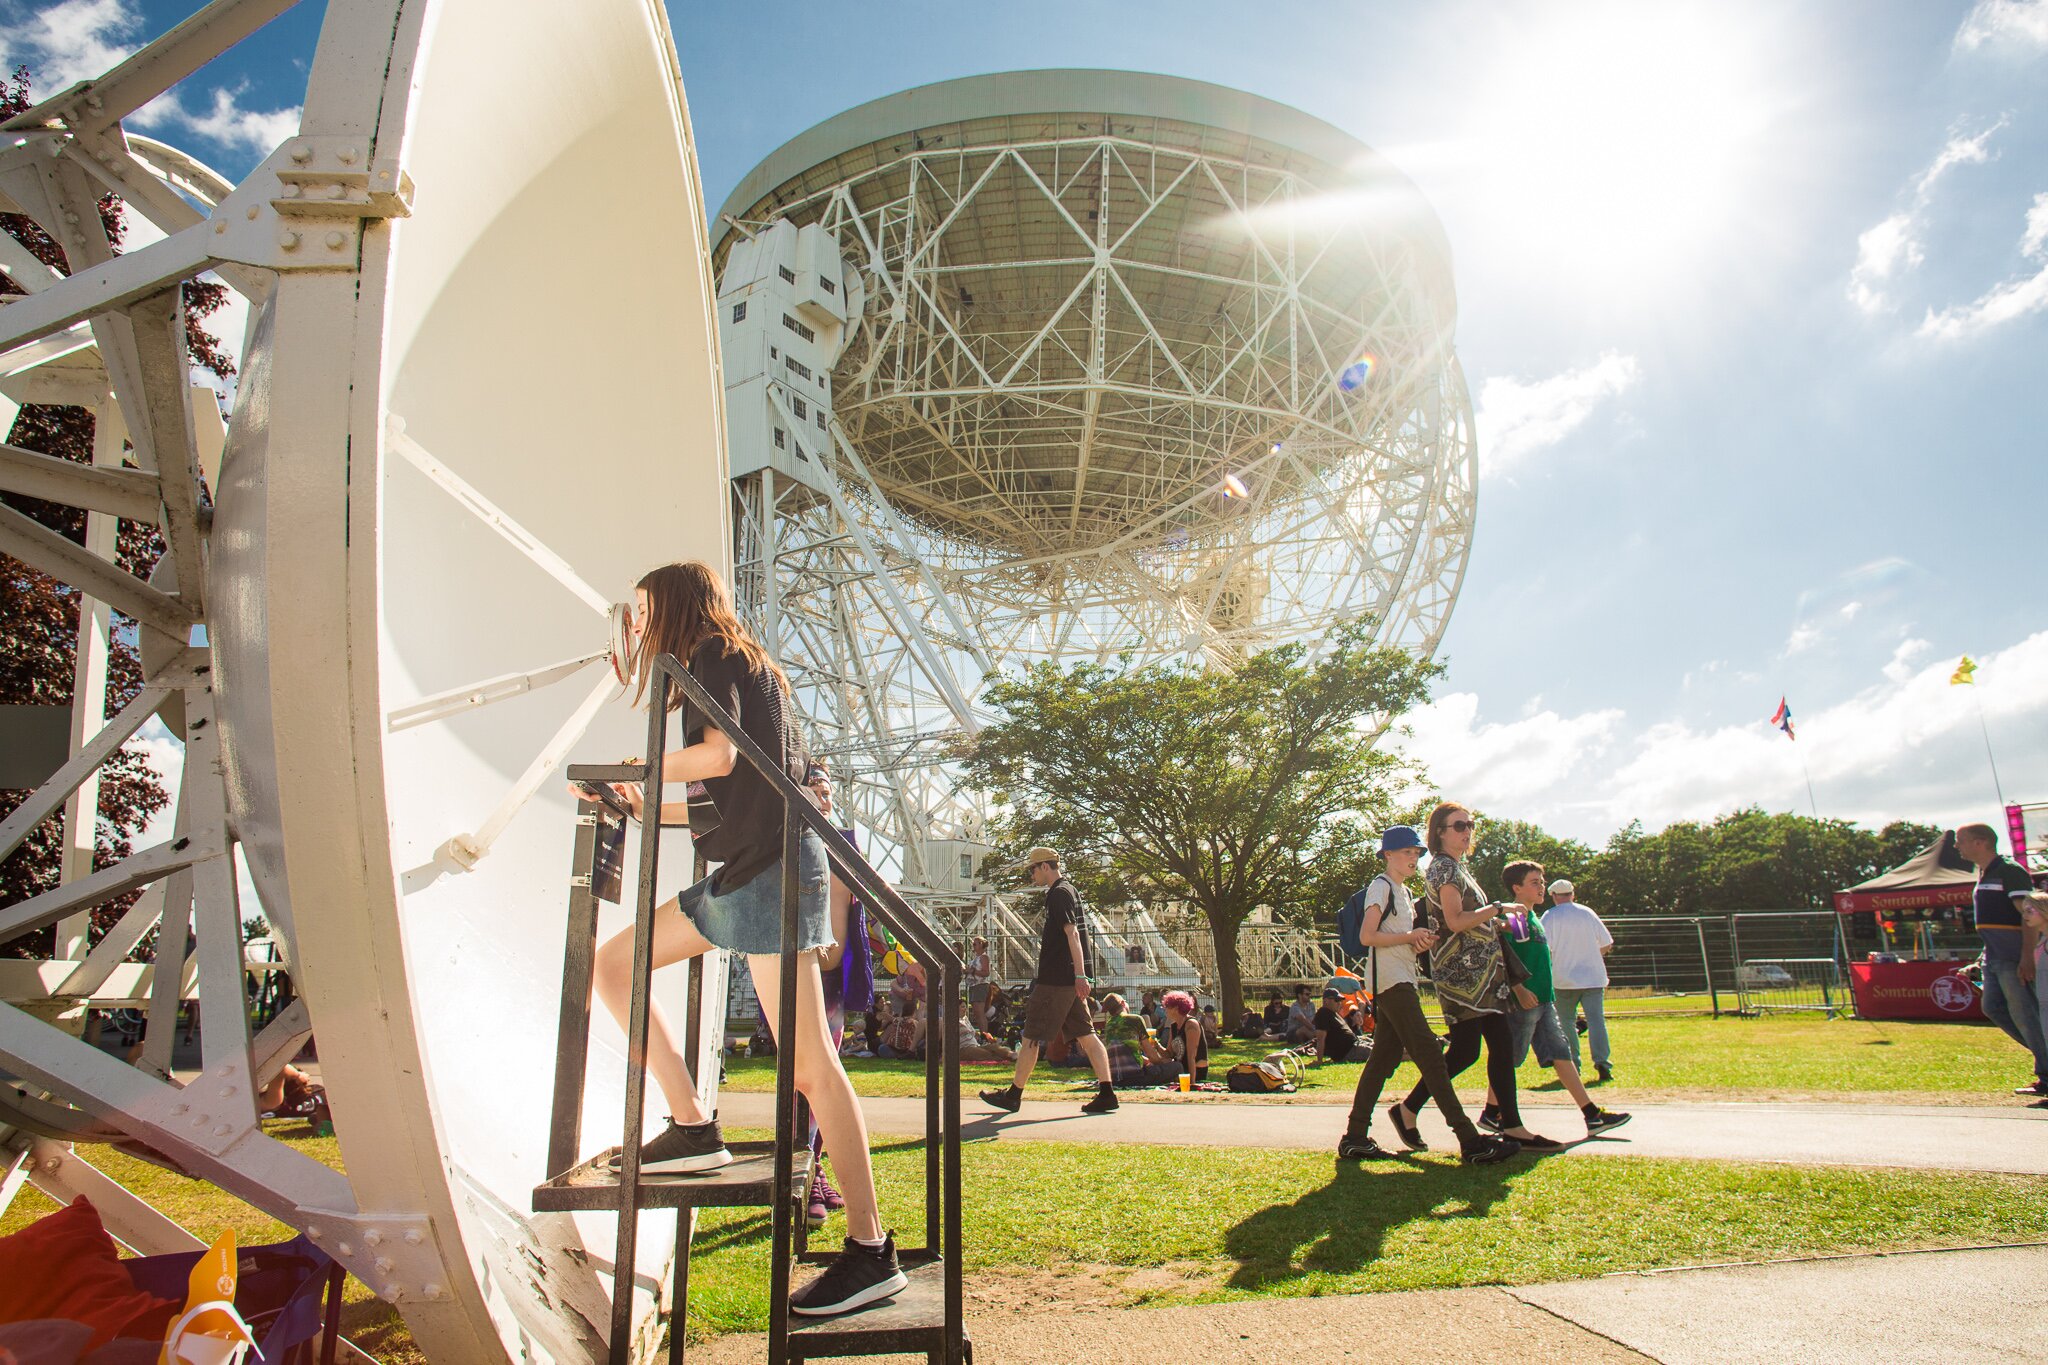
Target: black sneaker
1105	1102
2037	1088
857	1277
1536	1142
1600	1120
1486	1151
1410	1134
1363	1149
1009	1099
1489	1119
677	1150
1603	1073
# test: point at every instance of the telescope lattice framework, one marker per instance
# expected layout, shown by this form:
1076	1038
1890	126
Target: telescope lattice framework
472	409
1071	364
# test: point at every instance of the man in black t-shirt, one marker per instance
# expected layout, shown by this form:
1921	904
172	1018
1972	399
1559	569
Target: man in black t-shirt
1337	1041
1058	1003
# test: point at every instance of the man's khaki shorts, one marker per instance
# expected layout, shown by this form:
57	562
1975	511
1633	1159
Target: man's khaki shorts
1053	1010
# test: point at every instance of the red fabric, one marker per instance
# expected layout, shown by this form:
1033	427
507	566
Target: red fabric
65	1266
1914	990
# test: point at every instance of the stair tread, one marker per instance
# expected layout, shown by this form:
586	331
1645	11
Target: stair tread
915	1319
748	1180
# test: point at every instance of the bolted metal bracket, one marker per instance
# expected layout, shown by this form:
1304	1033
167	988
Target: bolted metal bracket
330	177
393	1253
210	1113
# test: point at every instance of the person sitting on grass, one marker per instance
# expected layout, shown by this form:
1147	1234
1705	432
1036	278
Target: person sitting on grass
1336	1040
1275	1019
973	1046
903	1037
1250	1027
1301	1018
1212	1024
1540	1026
1181	1039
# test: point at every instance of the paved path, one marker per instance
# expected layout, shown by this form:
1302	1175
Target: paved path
2012	1140
1925	1308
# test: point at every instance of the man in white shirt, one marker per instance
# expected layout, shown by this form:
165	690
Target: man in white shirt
1579	944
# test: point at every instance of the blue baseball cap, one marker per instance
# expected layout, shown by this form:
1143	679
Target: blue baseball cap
1399	837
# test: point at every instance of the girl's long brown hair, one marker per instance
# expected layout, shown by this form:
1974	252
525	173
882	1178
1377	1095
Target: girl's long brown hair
687	604
1438	820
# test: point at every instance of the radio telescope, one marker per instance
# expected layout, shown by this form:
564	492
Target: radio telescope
1066	365
473	408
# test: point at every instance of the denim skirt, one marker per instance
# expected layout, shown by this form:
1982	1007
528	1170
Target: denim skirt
748	919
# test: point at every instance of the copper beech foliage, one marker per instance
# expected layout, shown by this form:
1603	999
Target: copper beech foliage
39	616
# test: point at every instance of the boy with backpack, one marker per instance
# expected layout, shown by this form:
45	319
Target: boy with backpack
1380	920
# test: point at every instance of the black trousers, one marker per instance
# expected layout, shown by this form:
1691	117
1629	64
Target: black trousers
1401	1030
1466	1037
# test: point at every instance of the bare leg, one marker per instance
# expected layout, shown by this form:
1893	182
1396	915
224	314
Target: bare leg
675	940
834	1106
1027	1058
1569	1074
842	924
1097	1055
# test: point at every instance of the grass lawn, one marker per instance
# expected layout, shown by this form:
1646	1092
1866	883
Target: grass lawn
1159	1224
1143	1225
195	1205
1681	1056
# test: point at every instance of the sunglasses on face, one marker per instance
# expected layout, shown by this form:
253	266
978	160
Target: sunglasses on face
1462	826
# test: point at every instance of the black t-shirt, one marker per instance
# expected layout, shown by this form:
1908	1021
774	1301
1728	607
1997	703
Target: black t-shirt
1337	1035
1055	957
748	838
1276	1013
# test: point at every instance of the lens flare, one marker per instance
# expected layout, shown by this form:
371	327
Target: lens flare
1233	487
1358	372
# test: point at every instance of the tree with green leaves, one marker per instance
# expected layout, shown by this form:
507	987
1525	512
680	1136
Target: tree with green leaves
1225	790
1748	859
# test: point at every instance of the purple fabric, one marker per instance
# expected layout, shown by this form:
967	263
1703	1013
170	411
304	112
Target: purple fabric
852	989
279	1288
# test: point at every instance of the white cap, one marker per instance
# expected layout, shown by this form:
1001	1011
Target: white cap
1561	887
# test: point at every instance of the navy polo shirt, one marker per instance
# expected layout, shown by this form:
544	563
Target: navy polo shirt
1998	916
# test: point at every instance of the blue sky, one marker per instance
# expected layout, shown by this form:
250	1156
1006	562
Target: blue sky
1751	302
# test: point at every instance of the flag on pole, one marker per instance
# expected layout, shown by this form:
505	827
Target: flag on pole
1783	719
1965	672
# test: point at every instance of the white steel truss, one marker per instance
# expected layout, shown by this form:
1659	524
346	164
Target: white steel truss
1117	385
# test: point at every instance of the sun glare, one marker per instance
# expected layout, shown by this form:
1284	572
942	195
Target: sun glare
1617	139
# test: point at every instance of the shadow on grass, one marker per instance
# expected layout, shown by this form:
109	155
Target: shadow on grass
1340	1228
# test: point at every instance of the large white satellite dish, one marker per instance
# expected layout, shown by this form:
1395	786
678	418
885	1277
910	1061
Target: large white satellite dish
480	396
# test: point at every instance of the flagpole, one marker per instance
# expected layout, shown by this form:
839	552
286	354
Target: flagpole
1809	787
1996	785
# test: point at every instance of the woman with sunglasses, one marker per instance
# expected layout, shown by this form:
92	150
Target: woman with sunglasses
1478	981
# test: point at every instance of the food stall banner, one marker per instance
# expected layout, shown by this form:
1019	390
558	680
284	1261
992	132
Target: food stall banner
1915	990
1935	876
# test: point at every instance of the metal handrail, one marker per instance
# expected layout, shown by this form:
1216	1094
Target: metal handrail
943	1234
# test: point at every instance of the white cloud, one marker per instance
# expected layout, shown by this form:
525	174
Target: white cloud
1892	248
1906	747
2015	298
70	42
2018	26
1519	417
230	125
80	39
1507	767
1883	253
1904	659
